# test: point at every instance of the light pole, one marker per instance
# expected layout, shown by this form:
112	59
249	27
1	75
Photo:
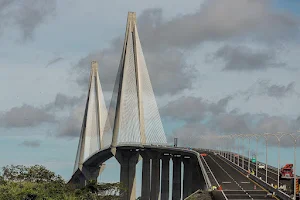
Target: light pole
238	146
295	138
232	148
243	160
279	135
266	138
249	138
256	149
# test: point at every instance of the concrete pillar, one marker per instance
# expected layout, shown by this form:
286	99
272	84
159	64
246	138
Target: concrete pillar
187	177
145	177
176	193
155	176
195	176
128	160
165	176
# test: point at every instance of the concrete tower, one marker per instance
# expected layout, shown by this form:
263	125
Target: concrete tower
94	119
133	113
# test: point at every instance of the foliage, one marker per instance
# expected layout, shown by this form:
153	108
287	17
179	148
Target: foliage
38	183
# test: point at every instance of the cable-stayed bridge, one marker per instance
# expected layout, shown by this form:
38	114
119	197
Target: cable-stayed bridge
131	131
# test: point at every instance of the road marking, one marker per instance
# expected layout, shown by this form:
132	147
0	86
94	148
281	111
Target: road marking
225	182
245	182
213	176
227	172
248	178
247	190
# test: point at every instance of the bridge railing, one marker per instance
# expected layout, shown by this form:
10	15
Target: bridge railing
266	185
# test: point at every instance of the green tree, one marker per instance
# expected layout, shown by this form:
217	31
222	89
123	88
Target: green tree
38	183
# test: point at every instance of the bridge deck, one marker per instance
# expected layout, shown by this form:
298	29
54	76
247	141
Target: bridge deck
235	185
272	174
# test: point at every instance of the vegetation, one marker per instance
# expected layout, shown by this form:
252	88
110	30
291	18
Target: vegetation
19	182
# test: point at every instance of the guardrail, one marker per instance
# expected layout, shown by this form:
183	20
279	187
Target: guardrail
245	157
207	181
267	186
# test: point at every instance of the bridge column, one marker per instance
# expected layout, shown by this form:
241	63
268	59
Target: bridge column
128	161
176	194
155	176
145	177
195	177
187	177
165	176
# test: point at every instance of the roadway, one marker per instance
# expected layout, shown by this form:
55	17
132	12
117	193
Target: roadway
272	174
234	184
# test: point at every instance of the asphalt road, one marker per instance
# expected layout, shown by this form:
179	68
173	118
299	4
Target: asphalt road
234	185
272	175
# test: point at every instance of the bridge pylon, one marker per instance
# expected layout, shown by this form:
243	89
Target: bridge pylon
93	124
133	114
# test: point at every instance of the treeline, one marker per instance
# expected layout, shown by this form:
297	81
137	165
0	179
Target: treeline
18	182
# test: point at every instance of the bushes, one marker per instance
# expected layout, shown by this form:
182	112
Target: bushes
38	183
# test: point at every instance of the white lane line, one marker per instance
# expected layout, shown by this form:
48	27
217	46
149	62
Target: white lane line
247	190
245	182
226	182
213	176
239	195
227	172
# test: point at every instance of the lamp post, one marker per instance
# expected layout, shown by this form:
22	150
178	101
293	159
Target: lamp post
249	138
232	149
238	146
266	139
295	138
279	135
243	156
256	136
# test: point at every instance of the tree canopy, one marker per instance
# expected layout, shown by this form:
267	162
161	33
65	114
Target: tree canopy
38	183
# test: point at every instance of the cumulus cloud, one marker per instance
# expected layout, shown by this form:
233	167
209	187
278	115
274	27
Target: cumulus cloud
32	144
193	108
219	21
71	125
26	15
265	88
201	118
62	101
167	66
31	116
25	116
166	43
243	58
190	135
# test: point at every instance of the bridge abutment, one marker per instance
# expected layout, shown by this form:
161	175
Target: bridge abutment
92	172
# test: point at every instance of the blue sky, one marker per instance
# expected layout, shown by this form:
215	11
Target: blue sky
216	69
